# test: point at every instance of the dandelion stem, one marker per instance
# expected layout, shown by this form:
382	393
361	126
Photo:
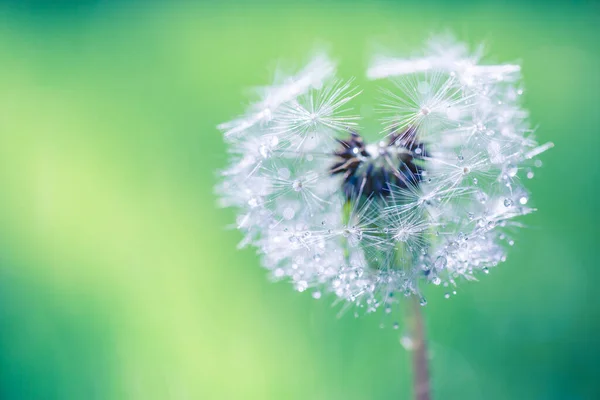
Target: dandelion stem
421	384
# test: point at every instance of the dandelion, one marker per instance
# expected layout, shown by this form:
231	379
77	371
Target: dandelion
433	199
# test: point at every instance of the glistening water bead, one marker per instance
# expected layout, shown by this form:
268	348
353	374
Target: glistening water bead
432	199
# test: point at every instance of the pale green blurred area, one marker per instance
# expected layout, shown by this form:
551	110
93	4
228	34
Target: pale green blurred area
118	279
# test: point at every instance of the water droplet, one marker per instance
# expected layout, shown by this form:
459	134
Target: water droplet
511	242
407	342
453	247
482	197
264	151
253	202
538	163
530	175
423	87
475	181
267	113
423	301
297	185
288	213
436	281
316	295
301	286
284	173
440	262
508	202
486	270
523	200
396	325
447	295
512	170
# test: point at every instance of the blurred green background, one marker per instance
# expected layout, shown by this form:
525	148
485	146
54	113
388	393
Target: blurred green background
118	279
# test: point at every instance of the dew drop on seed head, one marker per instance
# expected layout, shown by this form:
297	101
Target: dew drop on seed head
423	87
264	151
436	281
396	325
512	170
423	301
440	262
253	202
530	175
523	200
508	202
297	185
316	295
288	213
453	247
447	295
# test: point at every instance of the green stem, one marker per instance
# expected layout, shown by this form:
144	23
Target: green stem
420	362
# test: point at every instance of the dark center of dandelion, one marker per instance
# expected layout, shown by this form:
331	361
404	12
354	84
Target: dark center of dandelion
374	169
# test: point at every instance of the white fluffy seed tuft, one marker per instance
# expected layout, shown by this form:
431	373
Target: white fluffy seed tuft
456	221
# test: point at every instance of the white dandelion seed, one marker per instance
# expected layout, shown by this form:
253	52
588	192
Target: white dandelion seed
434	199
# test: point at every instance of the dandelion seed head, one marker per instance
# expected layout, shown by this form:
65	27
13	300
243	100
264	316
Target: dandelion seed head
434	199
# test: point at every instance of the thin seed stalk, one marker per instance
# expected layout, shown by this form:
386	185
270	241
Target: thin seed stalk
420	362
